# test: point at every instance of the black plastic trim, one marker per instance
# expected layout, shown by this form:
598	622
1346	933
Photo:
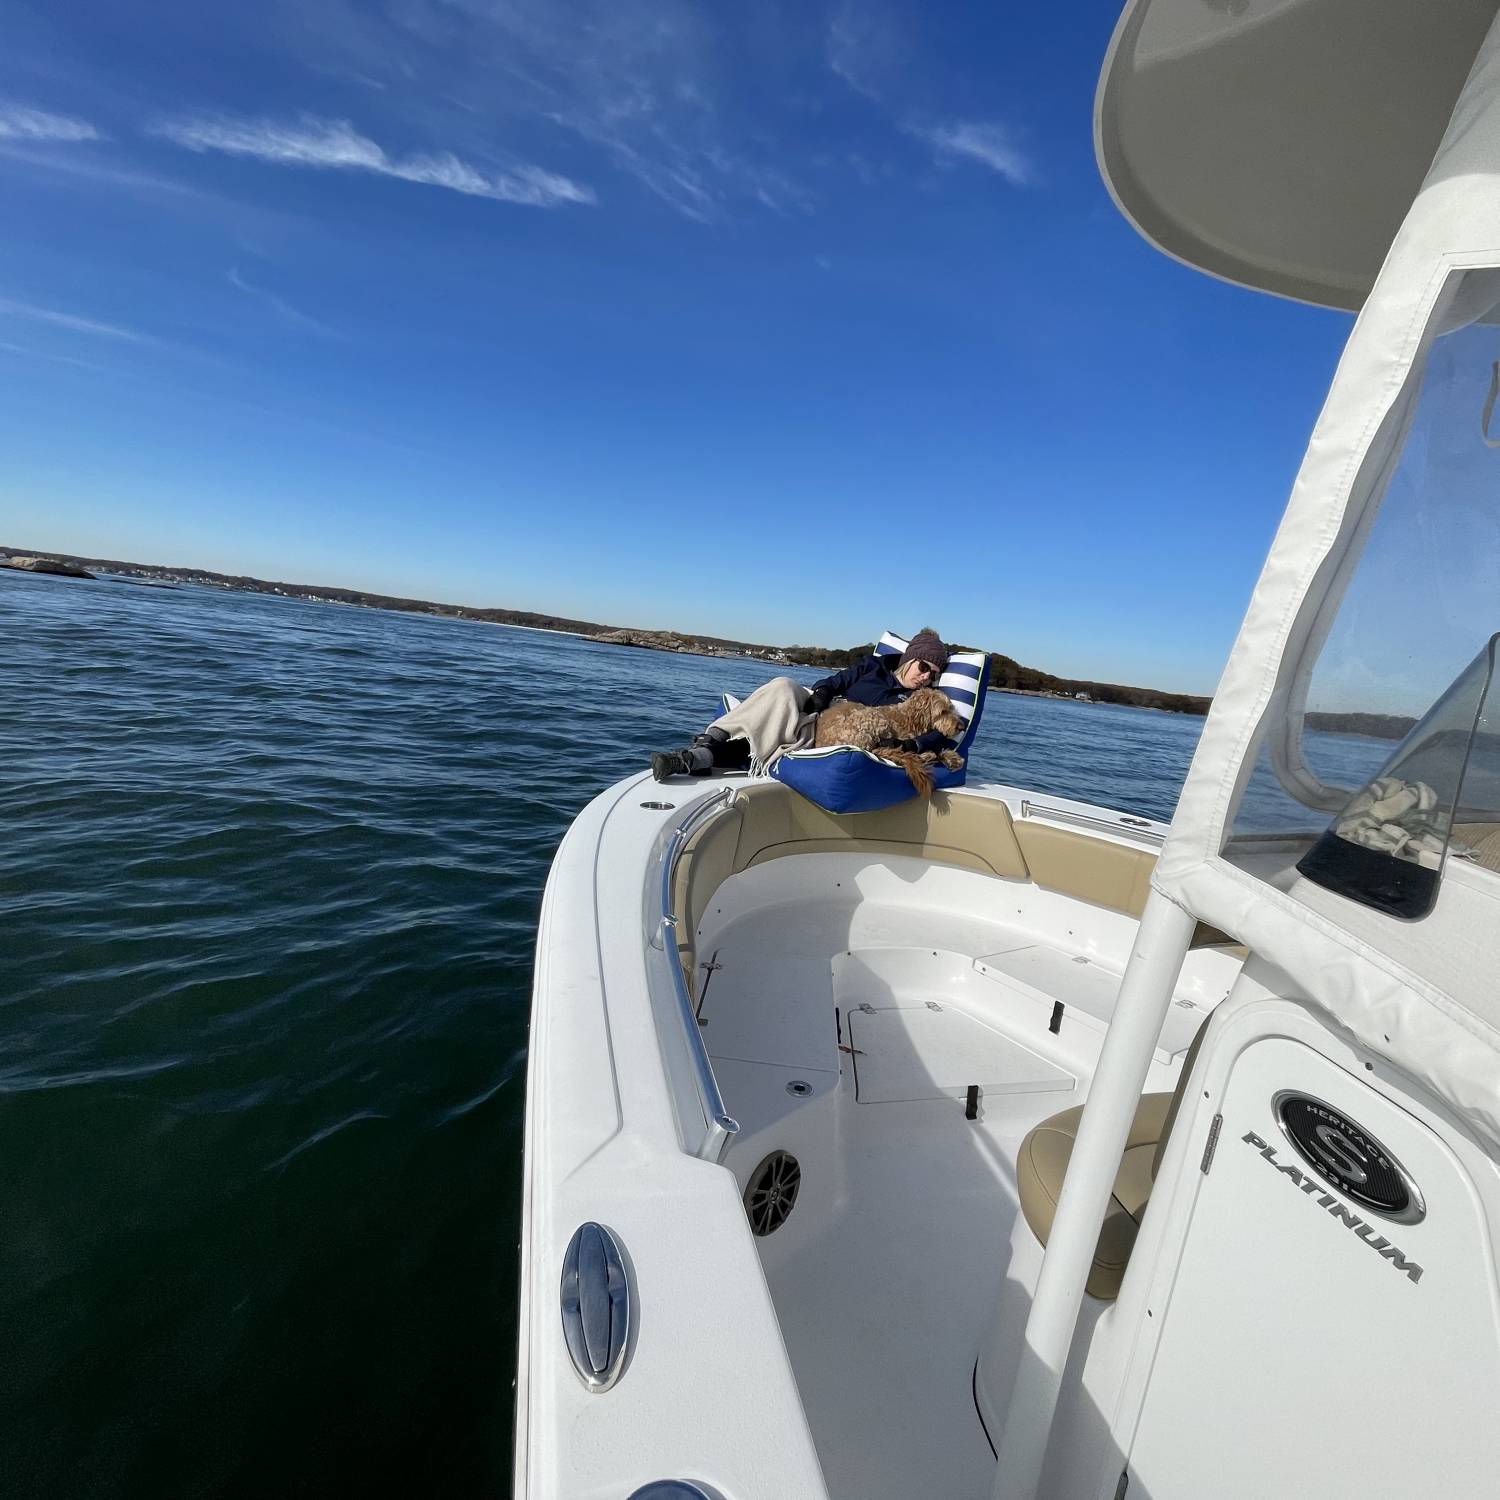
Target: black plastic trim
1394	886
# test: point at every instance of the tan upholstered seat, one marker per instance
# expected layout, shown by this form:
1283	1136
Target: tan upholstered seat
1043	1163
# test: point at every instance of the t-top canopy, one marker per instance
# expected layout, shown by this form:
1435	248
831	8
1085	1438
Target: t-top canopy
1279	143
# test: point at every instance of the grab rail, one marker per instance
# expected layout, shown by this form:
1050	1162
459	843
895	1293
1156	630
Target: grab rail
721	1126
1139	828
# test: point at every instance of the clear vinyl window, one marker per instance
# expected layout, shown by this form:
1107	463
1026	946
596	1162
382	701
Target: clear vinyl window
1385	742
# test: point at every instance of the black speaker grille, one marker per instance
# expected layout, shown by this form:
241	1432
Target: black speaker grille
772	1193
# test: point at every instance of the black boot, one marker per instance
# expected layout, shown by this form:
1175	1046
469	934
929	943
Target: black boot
668	763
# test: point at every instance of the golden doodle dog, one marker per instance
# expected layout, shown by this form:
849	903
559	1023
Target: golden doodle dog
881	730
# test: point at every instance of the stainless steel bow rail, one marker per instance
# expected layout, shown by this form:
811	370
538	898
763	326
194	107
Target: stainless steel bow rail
1139	828
720	1128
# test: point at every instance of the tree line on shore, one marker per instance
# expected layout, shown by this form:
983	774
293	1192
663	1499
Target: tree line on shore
1007	673
1004	672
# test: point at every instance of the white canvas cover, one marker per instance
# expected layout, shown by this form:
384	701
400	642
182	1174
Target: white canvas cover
1424	994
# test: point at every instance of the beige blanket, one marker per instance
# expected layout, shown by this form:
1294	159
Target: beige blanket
771	718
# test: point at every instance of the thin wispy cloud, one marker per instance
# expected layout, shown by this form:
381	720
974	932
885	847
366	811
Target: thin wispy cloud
10	308
23	352
861	46
20	122
335	145
284	309
865	47
668	174
91	168
650	84
989	143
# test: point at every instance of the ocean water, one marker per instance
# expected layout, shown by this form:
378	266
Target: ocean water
270	871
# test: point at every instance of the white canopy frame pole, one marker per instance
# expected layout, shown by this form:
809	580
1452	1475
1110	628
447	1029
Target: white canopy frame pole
1161	945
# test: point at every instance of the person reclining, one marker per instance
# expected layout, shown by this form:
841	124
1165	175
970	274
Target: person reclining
781	714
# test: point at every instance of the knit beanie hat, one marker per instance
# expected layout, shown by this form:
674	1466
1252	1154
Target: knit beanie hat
925	646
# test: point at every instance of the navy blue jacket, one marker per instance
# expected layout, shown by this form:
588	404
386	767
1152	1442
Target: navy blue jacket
873	682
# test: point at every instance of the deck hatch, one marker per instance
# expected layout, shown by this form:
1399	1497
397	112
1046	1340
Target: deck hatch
910	1018
905	1053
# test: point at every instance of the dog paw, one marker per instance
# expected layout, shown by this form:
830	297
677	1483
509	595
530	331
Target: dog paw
952	759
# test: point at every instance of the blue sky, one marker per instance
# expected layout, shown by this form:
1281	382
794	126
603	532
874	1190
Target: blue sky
790	322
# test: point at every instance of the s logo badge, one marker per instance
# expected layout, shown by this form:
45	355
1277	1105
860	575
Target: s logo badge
1339	1153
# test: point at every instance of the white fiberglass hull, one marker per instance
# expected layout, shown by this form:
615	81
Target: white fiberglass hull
849	992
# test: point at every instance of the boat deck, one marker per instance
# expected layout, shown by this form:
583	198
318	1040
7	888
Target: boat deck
847	1014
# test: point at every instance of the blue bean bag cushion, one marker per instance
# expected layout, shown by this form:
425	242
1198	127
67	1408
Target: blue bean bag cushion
841	779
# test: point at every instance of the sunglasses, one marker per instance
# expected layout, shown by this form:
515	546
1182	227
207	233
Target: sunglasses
928	668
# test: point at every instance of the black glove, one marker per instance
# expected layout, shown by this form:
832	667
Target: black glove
817	702
910	745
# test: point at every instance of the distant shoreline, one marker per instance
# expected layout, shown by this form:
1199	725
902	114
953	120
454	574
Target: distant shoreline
1006	674
665	640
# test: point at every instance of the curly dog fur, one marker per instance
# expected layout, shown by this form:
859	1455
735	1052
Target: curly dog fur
881	730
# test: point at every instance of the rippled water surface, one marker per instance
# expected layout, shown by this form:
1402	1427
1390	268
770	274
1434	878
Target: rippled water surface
270	871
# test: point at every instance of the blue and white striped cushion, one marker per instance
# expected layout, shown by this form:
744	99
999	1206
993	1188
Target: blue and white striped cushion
961	680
